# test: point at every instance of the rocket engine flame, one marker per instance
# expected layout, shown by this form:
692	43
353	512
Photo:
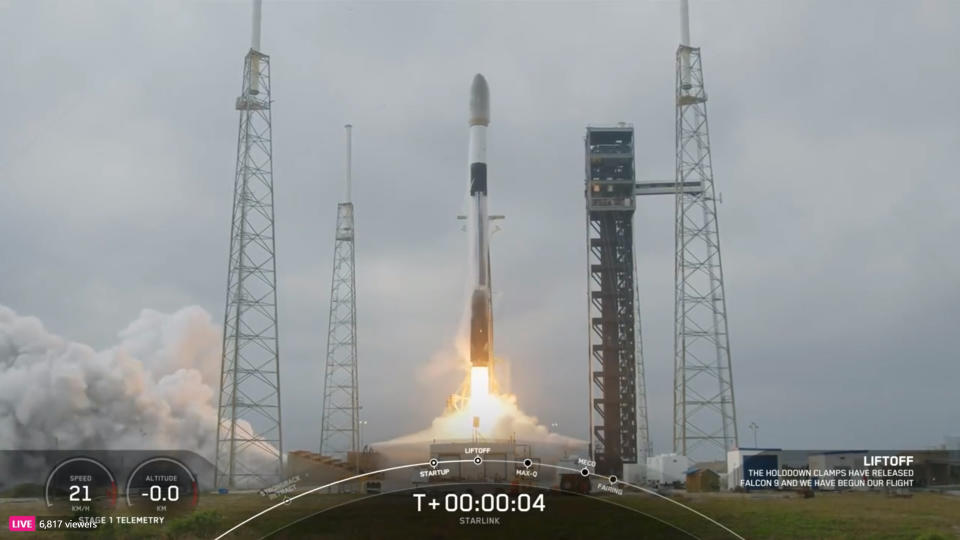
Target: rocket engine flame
500	418
482	404
479	383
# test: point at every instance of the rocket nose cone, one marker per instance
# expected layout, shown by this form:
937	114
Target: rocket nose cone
479	101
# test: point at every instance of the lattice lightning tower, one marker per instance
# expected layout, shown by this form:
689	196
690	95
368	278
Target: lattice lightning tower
705	421
340	424
249	448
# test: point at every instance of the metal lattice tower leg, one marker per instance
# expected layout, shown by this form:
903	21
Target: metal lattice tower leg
340	424
705	421
249	448
644	443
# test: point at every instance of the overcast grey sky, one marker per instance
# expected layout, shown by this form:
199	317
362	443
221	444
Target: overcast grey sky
835	130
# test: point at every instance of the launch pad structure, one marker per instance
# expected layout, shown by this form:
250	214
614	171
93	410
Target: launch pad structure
704	415
249	425
248	414
340	416
616	415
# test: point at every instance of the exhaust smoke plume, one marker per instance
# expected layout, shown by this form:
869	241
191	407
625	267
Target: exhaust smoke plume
500	419
156	389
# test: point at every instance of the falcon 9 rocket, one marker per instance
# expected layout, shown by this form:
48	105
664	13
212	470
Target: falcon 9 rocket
481	312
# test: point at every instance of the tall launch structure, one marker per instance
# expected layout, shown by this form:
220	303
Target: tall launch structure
249	442
704	416
340	423
705	423
617	413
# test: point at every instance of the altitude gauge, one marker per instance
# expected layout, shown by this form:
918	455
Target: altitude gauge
80	485
162	486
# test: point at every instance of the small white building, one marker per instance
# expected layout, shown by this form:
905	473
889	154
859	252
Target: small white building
668	468
636	473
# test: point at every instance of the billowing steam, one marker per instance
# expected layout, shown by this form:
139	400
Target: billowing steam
156	389
497	415
500	420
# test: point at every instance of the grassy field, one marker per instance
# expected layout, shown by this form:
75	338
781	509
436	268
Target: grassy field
926	516
836	516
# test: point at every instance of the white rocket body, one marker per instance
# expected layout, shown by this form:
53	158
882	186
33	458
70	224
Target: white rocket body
481	308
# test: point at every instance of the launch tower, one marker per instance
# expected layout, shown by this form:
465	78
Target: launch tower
340	423
704	416
249	447
617	418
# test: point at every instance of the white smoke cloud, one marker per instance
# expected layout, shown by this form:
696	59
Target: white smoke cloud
156	389
505	422
500	419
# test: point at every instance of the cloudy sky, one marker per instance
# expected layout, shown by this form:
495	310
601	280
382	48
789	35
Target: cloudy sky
835	130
